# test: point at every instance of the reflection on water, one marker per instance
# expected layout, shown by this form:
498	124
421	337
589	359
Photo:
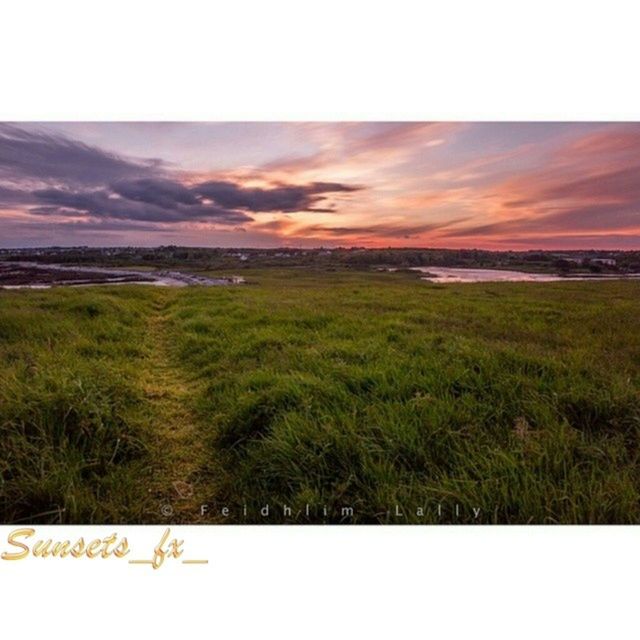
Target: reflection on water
448	274
34	275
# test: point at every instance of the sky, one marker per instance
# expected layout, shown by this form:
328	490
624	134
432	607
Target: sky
374	184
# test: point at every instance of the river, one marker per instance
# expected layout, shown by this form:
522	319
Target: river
451	275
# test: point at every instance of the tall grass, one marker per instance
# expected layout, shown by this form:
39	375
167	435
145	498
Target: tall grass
330	389
72	445
374	391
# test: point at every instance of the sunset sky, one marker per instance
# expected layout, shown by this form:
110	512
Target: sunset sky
484	185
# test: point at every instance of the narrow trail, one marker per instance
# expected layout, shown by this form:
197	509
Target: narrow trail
178	485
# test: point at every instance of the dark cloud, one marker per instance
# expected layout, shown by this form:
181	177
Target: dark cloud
93	225
41	156
597	217
52	176
161	192
164	200
104	204
11	197
384	230
623	184
285	198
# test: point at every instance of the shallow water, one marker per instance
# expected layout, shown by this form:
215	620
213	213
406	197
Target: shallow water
451	275
111	276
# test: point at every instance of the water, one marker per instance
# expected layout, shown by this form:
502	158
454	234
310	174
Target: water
97	276
450	275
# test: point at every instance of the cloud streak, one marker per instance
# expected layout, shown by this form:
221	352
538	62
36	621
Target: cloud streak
285	198
589	186
375	183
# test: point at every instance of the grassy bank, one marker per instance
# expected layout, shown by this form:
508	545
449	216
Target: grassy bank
72	430
328	389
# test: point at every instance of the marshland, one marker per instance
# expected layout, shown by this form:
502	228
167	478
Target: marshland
138	404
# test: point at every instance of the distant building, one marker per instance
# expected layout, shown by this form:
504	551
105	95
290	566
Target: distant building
609	262
573	258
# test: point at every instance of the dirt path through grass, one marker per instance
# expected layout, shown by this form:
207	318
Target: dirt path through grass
178	483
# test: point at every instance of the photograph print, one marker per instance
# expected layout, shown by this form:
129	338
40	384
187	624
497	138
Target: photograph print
320	323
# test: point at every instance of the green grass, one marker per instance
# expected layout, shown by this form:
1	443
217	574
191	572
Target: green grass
72	439
330	389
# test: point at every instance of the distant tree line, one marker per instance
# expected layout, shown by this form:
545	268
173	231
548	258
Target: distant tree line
353	257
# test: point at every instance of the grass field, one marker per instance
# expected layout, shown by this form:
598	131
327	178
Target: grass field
330	389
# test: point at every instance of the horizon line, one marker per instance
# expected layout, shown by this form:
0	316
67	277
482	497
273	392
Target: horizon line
318	248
